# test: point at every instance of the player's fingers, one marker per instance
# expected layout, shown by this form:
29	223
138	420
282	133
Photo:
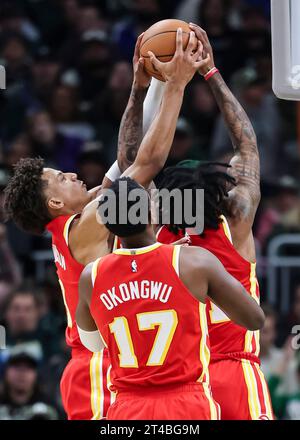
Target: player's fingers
179	46
137	47
198	55
192	44
202	62
155	62
183	241
200	33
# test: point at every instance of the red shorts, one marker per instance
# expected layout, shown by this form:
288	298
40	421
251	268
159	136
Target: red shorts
241	390
186	402
84	385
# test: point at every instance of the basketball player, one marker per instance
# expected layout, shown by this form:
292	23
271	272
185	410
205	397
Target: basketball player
237	382
153	320
40	199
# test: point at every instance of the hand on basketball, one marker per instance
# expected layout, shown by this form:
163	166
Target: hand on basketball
184	63
141	77
207	49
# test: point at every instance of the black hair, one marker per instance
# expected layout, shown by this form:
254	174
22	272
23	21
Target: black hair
115	224
25	201
208	176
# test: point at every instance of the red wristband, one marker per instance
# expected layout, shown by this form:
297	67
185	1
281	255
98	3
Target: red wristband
210	73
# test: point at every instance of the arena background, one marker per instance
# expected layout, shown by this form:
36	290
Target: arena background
69	73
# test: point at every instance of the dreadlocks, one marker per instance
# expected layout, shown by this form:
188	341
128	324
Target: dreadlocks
209	176
24	196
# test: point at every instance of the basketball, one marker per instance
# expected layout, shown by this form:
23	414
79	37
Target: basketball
161	40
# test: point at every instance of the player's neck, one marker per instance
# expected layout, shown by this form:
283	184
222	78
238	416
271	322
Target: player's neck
139	240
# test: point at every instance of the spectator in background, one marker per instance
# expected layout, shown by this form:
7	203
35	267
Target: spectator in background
260	105
61	151
143	13
286	404
92	167
10	270
200	110
13	19
109	107
65	111
80	17
23	329
20	396
293	318
45	73
182	144
274	216
19	148
15	57
270	355
94	62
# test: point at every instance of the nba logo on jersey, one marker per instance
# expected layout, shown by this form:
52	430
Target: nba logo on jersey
134	266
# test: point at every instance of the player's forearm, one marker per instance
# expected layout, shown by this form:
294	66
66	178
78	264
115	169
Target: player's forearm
131	128
152	102
238	124
245	162
158	140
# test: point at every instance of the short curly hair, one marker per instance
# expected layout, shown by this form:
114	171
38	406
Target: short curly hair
25	201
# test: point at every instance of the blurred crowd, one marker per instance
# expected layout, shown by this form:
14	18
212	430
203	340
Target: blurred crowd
69	74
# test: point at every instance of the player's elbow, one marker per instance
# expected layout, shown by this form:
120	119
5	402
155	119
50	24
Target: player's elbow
256	319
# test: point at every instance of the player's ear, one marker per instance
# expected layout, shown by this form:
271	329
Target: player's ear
55	204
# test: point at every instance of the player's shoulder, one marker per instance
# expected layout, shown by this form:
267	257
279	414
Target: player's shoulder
196	257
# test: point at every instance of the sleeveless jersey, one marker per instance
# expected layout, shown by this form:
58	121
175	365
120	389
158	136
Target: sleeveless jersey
227	339
155	330
68	272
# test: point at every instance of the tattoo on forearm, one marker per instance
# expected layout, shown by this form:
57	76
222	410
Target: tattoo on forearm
246	157
131	129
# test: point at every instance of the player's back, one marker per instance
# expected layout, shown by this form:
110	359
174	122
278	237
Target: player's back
226	337
155	329
156	333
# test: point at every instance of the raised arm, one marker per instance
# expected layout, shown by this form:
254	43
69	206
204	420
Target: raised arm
204	275
131	127
87	328
244	198
157	142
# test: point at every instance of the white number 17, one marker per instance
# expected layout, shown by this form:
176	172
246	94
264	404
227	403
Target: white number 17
165	320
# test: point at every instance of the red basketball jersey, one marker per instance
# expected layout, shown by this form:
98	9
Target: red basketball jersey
68	272
227	339
155	330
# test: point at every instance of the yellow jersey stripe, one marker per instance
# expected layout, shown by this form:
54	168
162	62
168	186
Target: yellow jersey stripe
214	410
137	251
69	318
94	270
253	396
96	378
269	411
175	259
115	244
112	394
204	351
66	228
226	228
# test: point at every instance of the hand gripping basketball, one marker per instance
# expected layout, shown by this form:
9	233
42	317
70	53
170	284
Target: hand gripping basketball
184	63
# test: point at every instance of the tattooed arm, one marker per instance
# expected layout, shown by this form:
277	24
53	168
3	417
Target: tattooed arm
244	198
131	128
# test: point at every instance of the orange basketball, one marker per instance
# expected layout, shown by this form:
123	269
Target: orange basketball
161	40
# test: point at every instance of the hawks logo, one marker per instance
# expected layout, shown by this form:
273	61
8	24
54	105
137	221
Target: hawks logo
134	266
